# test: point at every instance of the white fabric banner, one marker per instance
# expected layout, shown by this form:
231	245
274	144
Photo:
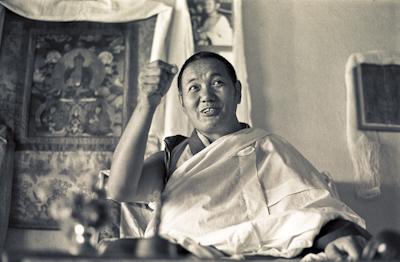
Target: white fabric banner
180	47
86	10
239	61
364	146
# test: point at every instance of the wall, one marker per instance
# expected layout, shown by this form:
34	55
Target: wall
296	53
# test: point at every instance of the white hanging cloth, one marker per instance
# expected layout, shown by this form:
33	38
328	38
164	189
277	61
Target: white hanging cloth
86	10
239	61
180	47
365	147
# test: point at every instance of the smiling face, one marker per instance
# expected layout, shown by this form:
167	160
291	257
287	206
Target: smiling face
209	98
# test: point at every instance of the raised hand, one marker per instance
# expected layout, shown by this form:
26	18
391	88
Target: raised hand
155	80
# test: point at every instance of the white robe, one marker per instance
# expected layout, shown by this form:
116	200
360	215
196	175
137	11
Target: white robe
249	193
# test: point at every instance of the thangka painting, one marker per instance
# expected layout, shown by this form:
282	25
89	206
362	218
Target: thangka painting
378	89
76	87
212	22
73	86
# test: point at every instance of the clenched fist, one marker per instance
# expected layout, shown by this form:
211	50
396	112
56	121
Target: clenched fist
155	80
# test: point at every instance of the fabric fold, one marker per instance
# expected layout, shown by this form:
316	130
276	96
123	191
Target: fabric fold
180	47
229	196
239	62
86	10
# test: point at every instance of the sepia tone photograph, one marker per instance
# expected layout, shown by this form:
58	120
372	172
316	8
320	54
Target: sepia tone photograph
199	130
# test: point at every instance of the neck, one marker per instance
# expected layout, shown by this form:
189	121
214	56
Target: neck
213	14
212	136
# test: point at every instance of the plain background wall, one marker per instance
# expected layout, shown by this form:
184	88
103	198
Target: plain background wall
296	52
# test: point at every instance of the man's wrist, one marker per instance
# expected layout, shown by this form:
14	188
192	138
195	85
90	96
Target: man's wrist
147	104
338	228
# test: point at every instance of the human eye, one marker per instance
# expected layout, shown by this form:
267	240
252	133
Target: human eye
193	88
217	82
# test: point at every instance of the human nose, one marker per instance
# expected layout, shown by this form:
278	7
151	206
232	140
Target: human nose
207	94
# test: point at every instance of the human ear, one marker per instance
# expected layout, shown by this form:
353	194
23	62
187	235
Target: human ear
182	104
238	91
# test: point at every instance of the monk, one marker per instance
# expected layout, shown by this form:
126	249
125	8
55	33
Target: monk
230	188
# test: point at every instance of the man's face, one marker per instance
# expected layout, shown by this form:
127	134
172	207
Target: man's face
210	6
209	97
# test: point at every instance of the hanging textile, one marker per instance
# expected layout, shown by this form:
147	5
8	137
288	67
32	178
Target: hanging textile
239	61
181	47
365	147
6	173
86	10
6	178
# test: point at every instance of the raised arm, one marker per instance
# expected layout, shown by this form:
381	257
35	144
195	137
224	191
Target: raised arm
128	168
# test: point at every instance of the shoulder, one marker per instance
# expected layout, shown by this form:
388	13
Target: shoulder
264	136
274	142
174	146
223	18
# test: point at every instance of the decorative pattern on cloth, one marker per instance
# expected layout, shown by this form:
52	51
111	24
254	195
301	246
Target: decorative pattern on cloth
249	193
43	177
111	229
364	146
6	176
